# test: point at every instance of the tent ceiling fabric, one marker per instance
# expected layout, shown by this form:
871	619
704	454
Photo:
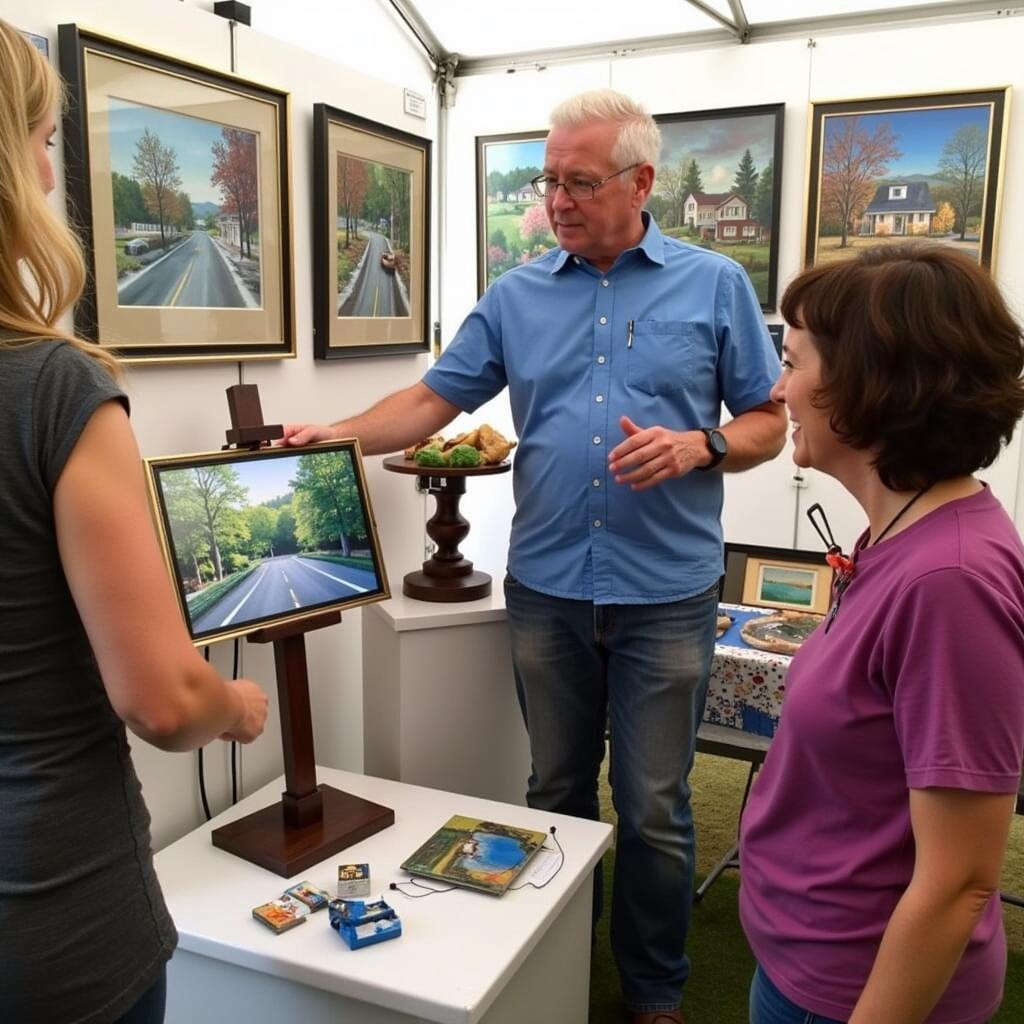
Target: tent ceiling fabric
488	35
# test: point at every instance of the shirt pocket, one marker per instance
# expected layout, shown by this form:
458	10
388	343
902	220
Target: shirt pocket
660	359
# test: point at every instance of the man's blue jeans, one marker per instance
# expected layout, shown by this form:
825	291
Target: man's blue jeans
769	1006
643	669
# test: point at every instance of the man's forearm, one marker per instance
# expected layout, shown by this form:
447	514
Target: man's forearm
754	436
399	420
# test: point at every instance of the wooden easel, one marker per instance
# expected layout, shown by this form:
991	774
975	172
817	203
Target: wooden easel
310	822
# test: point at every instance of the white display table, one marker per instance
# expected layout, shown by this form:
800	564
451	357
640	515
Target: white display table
439	697
463	957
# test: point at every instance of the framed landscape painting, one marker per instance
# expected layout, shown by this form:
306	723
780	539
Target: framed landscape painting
512	224
787	578
371	237
717	185
178	183
262	537
910	167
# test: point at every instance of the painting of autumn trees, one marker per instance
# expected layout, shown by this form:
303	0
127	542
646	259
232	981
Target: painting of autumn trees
917	167
374	211
186	185
235	173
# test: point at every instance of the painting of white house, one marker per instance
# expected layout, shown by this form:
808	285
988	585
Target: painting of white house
912	169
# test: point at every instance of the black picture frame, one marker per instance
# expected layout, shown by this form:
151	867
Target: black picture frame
866	134
381	305
142	299
726	136
777	331
497	208
217	569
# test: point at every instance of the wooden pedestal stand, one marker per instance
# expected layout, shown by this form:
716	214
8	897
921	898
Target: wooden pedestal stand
446	575
310	822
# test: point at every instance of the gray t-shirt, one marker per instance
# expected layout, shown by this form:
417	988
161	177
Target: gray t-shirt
83	926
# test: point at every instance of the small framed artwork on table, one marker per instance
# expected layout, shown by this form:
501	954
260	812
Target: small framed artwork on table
371	237
178	184
783	578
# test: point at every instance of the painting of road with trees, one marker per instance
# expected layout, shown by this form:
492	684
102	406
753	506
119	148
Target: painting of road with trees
257	539
374	214
186	210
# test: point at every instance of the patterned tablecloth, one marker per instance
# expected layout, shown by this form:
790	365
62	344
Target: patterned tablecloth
746	687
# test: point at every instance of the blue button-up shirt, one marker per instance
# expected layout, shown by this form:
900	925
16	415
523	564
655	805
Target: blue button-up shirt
665	336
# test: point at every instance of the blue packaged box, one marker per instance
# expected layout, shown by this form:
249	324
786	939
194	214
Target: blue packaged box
362	923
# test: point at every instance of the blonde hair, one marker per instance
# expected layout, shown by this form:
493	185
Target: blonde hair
32	237
639	139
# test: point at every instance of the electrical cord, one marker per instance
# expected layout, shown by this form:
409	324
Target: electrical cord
561	864
199	759
430	890
234	744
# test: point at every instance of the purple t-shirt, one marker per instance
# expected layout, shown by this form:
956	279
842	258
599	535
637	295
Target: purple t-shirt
918	683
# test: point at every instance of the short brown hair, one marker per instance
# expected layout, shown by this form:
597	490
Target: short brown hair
921	359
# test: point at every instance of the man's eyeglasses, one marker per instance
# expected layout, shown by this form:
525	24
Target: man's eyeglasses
576	188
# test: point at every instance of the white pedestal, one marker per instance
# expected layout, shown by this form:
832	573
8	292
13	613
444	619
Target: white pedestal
464	957
439	699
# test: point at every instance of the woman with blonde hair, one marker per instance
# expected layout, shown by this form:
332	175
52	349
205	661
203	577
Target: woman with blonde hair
91	639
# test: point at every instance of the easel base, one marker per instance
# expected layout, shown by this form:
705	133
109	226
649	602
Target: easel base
264	838
460	588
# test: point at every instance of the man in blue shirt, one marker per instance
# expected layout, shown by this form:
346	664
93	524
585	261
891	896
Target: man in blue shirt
618	348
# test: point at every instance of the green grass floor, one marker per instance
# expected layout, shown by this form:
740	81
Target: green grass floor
722	964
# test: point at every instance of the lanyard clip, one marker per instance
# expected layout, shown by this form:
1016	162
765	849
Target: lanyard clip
843	566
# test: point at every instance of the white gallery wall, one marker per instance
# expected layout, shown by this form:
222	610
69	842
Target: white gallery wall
363	60
762	506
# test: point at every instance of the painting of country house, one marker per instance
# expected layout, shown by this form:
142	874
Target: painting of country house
918	167
717	186
512	224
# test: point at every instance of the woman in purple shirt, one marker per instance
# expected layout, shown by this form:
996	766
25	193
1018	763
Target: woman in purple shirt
873	840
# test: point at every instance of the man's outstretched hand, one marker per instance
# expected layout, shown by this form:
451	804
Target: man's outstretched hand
651	455
298	434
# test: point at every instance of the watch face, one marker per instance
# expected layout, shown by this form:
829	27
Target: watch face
716	442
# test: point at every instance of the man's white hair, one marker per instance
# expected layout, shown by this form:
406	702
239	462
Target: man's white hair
639	140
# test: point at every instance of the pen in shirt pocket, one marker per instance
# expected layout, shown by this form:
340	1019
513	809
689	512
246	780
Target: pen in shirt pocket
629	334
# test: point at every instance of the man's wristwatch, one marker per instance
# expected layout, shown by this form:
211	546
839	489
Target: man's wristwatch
717	445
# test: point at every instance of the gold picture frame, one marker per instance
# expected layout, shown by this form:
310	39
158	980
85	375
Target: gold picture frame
178	184
293	536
